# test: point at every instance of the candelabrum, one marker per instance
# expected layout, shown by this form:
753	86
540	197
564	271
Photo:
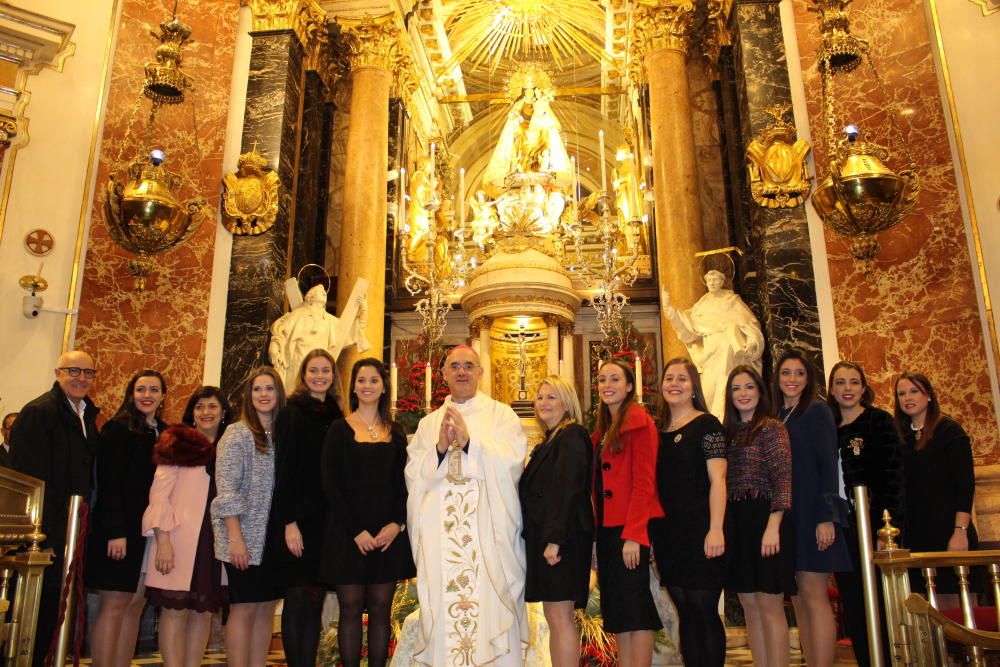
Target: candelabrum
608	270
441	276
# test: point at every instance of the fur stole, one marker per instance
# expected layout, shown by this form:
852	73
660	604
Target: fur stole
183	446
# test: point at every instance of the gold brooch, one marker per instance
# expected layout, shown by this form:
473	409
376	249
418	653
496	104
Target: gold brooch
856	445
678	437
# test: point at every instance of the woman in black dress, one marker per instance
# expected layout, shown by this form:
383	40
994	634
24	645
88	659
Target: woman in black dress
937	463
298	512
818	513
689	542
116	545
759	486
870	455
363	461
558	518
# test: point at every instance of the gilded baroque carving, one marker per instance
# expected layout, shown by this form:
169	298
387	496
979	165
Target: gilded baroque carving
272	14
776	163
372	42
8	129
715	35
660	25
250	196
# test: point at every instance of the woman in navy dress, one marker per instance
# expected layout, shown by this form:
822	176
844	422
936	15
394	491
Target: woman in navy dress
117	546
558	519
819	512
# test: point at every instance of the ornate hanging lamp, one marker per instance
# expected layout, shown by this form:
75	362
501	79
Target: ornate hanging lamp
860	196
144	212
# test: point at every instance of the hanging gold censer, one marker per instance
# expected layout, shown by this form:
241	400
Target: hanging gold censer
144	213
861	196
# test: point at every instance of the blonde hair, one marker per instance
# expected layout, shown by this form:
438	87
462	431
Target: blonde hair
564	390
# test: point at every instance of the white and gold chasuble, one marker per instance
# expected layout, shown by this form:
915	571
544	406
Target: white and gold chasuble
466	540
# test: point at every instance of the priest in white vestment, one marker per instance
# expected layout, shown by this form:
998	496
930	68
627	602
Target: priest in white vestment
464	523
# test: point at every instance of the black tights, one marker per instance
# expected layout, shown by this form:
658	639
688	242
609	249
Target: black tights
703	637
300	624
353	600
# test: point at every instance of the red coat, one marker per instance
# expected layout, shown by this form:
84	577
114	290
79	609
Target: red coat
629	477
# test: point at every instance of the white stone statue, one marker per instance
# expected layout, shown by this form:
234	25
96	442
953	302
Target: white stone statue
720	333
309	327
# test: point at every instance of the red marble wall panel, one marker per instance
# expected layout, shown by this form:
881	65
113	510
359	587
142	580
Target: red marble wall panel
918	310
164	327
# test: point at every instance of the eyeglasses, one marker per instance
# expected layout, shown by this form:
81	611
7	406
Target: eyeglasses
74	371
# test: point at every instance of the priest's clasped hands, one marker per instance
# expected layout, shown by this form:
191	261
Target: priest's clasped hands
453	432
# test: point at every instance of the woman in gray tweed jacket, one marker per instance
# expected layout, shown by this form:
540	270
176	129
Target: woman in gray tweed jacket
244	477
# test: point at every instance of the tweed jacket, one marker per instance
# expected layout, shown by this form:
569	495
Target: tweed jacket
244	478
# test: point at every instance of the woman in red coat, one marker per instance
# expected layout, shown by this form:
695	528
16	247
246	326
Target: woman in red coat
625	500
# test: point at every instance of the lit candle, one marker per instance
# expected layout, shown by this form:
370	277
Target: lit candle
393	383
638	378
562	373
604	171
461	198
427	385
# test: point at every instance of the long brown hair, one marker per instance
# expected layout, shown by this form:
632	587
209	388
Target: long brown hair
663	417
249	414
333	391
867	393
128	413
731	418
384	414
903	421
808	392
611	426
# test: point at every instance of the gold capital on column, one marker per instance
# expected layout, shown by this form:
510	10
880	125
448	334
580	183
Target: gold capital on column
372	42
662	25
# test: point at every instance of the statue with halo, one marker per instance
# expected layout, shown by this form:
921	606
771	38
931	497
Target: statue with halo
720	333
308	326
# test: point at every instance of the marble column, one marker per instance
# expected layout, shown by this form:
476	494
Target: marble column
568	363
486	384
552	350
373	47
779	254
259	264
662	37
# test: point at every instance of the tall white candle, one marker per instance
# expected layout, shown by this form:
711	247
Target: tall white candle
461	198
393	384
638	378
427	385
433	149
604	170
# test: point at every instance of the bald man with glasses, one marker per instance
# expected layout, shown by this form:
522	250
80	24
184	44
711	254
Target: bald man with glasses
54	439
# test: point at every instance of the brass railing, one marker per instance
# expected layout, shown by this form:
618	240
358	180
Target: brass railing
918	631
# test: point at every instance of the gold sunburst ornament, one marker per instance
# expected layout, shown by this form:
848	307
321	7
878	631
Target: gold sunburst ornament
486	33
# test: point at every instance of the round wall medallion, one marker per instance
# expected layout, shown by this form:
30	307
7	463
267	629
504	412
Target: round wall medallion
39	242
